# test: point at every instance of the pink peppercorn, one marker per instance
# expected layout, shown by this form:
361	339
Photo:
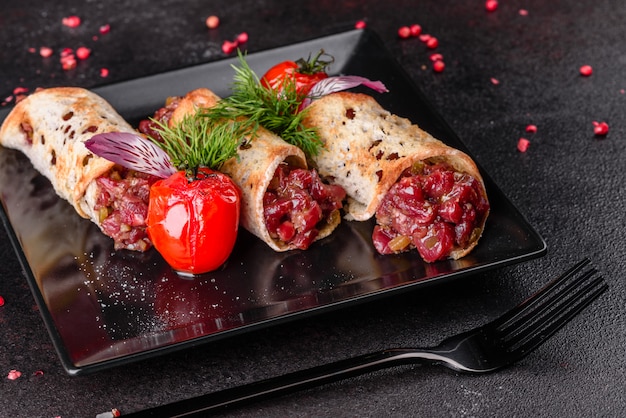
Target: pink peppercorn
242	38
104	72
212	22
68	62
228	47
586	70
83	53
14	374
491	5
432	43
415	29
436	57
600	128
404	32
45	52
1	301
360	24
523	144
531	129
71	21
439	66
104	29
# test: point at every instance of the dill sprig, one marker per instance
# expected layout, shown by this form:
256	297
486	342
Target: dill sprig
276	111
197	142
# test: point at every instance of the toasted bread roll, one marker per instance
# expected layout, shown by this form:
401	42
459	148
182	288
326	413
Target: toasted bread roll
367	150
50	128
255	170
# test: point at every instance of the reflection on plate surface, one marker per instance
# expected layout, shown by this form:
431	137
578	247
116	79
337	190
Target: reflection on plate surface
104	308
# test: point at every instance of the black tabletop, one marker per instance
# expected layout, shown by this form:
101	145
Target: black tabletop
504	70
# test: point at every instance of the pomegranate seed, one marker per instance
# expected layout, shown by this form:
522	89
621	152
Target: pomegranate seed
14	374
104	72
438	66
32	50
229	46
212	22
65	52
600	128
19	90
494	81
1	301
523	12
436	57
586	70
415	30
531	129
523	144
432	43
83	53
360	24
38	373
242	38
104	29
491	5
68	62
404	32
71	21
424	37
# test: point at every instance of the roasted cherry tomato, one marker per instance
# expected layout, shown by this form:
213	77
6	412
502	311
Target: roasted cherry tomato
304	74
193	224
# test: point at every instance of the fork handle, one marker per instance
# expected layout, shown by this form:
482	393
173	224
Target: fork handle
288	383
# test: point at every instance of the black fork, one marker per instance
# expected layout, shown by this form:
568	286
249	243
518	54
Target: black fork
485	349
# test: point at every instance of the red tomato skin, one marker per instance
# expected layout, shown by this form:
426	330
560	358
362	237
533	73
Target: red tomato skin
194	225
275	77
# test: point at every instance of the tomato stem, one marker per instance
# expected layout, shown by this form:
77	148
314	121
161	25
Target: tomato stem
314	65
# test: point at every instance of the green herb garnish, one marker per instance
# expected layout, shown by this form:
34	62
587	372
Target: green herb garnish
315	64
198	141
276	111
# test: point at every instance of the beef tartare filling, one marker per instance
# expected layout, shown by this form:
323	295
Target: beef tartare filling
431	208
163	115
122	206
297	202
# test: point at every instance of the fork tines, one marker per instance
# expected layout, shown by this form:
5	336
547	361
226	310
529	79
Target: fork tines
536	319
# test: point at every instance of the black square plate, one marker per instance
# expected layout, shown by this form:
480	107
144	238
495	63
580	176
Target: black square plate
105	308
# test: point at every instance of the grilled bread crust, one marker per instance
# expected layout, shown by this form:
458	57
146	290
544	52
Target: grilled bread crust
253	169
366	149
